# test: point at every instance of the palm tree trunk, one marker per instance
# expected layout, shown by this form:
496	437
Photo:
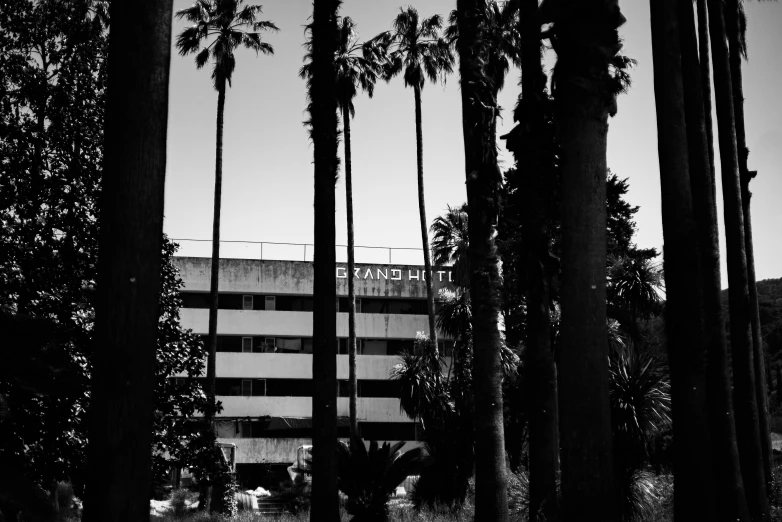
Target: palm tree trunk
131	230
419	148
215	267
211	360
539	366
693	495
729	495
705	68
588	485
483	187
352	379
745	176
325	498
745	392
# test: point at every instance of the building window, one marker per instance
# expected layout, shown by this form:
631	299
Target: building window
247	388
271	344
247	344
247	302
271	302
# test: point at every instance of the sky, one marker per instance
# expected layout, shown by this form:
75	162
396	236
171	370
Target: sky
267	155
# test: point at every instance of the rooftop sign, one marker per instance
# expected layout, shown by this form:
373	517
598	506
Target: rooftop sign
394	274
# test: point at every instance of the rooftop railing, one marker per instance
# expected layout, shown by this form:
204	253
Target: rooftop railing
277	251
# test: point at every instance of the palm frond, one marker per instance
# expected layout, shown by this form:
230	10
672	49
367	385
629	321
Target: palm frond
220	26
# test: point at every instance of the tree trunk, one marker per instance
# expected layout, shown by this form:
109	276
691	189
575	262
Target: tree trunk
705	68
588	486
745	392
215	266
729	495
483	187
744	178
131	230
325	498
211	361
540	370
419	147
352	379
693	495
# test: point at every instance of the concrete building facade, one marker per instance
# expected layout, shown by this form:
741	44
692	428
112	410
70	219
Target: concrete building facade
264	354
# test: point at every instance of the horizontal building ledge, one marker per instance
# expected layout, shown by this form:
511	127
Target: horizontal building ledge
299	324
368	410
279	451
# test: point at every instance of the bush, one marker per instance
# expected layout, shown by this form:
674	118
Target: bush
178	504
295	495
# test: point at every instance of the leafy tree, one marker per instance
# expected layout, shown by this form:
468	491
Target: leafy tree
177	400
323	103
417	50
358	67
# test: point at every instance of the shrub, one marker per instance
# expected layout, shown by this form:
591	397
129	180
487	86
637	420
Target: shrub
178	505
295	494
369	478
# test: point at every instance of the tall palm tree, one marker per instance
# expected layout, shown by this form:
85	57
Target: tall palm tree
704	54
585	38
323	100
736	20
692	464
696	84
744	377
219	27
484	180
358	67
536	161
131	226
419	52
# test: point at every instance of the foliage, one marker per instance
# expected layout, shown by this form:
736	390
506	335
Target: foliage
450	243
640	409
423	392
370	477
179	352
222	24
358	65
416	49
634	284
295	494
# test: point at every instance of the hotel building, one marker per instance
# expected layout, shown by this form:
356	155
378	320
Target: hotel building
264	347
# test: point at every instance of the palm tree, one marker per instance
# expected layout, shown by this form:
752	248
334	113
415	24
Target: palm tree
358	67
696	84
737	26
370	477
692	463
419	52
584	36
450	243
219	27
744	377
479	113
131	230
535	153
323	100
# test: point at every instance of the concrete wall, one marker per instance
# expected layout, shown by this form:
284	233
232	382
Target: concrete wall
369	409
299	324
299	366
276	451
296	277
